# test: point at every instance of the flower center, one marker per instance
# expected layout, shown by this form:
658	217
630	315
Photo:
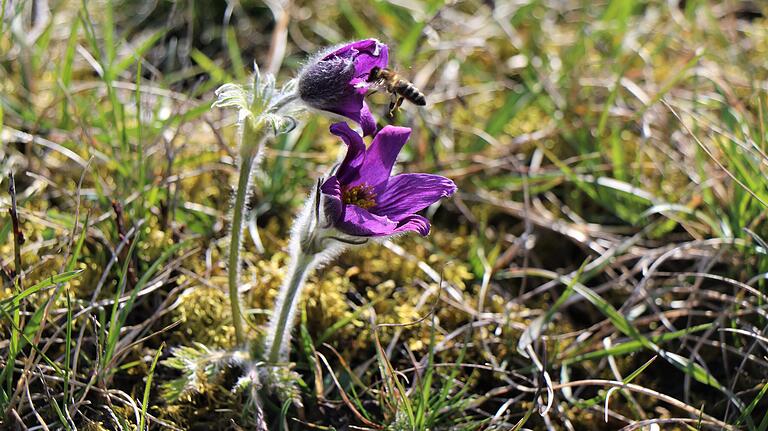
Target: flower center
361	196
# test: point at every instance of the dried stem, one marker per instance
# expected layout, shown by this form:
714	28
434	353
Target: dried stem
18	235
651	393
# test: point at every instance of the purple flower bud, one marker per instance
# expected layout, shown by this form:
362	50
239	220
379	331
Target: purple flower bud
362	199
336	80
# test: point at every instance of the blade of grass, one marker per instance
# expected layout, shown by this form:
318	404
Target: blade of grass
600	398
109	34
113	331
2	17
534	330
116	112
65	70
217	74
136	54
764	422
53	280
748	410
235	57
395	389
362	30
408	46
141	160
9	366
78	245
147	387
634	346
622	324
67	352
123	314
328	333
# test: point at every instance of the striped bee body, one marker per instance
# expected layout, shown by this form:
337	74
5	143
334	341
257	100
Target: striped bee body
401	89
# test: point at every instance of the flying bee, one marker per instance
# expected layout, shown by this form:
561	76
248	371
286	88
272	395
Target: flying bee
400	88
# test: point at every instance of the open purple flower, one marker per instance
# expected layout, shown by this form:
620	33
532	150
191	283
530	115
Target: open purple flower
362	199
336	80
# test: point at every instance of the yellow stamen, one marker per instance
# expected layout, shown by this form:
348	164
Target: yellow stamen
361	196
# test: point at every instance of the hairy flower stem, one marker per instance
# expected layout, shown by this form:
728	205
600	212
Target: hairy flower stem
281	322
252	144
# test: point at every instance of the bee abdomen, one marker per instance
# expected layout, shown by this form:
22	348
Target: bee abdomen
410	92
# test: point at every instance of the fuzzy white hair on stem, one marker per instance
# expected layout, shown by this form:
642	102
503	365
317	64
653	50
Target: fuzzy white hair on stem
314	243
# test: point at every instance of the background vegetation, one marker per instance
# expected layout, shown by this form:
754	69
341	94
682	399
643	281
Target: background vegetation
603	264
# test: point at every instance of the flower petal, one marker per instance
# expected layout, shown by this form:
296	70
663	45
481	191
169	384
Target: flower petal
367	54
381	155
336	80
359	222
349	169
414	223
405	194
353	106
366	120
333	207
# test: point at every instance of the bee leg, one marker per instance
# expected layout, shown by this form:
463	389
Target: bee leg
399	102
394	105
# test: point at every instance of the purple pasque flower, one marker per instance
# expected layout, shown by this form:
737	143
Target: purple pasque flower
336	80
362	199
